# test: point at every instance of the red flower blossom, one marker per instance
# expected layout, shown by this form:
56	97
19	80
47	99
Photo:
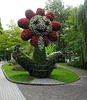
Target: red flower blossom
23	23
46	29
46	40
29	14
56	25
50	15
26	34
53	36
40	12
34	40
10	64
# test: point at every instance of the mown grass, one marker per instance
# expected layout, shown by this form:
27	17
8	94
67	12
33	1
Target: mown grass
18	76
60	74
64	75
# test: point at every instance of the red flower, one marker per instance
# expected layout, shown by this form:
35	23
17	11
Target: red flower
34	40
29	14
46	40
53	36
26	34
23	23
10	64
29	34
56	25
40	12
50	15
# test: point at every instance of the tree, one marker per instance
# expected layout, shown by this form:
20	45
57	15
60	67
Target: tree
61	15
82	25
76	37
72	38
0	27
10	37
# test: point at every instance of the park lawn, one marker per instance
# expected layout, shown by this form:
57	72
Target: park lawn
64	75
17	76
60	74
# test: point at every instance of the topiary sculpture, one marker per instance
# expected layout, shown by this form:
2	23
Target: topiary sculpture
40	29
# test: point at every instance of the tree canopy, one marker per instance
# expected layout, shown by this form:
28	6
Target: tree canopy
0	27
61	15
10	37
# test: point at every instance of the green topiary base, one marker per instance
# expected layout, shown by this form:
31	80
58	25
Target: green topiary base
39	56
40	66
41	69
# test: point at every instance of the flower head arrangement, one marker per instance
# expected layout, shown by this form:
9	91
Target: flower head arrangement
39	27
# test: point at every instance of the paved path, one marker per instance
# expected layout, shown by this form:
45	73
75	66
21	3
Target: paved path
72	91
8	90
46	81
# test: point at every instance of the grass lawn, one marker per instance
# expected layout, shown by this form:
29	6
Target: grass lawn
18	76
64	75
65	64
60	74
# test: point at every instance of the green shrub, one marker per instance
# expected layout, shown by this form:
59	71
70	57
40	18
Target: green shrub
58	56
75	64
40	66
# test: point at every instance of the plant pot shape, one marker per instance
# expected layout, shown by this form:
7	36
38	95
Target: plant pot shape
41	71
40	68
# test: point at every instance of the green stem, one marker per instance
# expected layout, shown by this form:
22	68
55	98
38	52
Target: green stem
39	56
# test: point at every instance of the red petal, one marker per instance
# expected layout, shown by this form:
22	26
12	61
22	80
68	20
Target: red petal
26	34
34	40
46	40
23	23
53	36
56	25
50	15
40	12
29	14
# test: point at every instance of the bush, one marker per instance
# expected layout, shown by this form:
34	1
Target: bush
75	64
39	66
58	56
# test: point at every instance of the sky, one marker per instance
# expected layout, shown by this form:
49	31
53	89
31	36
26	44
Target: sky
15	9
73	3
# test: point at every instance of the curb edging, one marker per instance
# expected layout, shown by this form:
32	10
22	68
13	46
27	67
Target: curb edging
34	83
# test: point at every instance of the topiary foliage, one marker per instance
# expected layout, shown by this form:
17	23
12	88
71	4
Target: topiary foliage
40	29
42	69
23	60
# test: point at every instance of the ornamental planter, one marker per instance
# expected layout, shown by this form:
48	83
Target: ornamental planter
41	71
40	29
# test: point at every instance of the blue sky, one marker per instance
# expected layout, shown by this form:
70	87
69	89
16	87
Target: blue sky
15	9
